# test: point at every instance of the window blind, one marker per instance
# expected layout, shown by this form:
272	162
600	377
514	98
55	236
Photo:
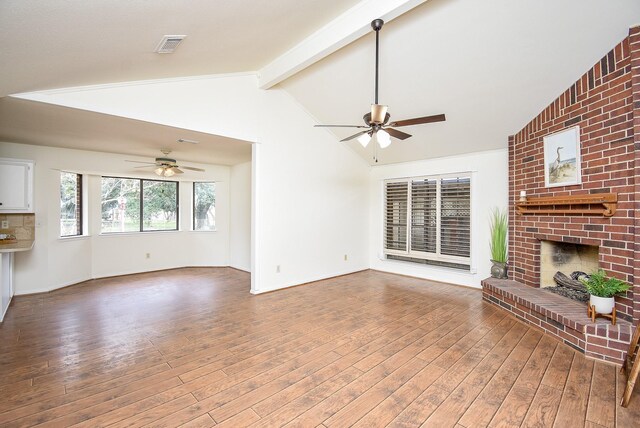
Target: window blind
424	215
429	219
455	218
396	203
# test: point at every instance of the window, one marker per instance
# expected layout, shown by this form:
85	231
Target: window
204	206
70	204
137	205
428	220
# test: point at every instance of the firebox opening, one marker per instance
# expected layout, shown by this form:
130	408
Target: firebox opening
566	258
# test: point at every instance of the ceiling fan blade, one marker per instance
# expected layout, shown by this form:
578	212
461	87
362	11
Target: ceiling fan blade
190	168
354	136
146	166
419	120
340	126
397	134
177	170
148	163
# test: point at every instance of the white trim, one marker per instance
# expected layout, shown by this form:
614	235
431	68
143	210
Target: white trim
73	238
6	309
315	278
141	233
447	269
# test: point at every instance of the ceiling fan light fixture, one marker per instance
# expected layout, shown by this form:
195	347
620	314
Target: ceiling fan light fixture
378	113
364	140
383	138
164	171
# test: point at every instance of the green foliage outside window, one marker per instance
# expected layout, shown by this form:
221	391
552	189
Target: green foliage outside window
204	206
121	210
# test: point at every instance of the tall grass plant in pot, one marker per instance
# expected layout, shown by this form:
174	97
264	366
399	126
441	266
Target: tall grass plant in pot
498	243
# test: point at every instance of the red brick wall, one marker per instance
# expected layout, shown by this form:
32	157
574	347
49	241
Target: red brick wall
602	102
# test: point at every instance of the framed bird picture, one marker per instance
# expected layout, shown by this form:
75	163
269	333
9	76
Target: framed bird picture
562	158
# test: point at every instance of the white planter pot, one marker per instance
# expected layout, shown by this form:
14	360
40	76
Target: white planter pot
604	305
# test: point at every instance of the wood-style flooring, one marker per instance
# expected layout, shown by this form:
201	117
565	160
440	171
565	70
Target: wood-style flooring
192	347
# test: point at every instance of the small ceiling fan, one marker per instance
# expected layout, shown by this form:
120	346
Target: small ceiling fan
377	125
165	166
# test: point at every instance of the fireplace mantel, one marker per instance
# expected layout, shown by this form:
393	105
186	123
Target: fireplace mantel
602	204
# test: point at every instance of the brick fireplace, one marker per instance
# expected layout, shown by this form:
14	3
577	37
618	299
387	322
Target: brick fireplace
605	104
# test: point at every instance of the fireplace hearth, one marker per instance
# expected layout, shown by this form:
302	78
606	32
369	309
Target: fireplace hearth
565	319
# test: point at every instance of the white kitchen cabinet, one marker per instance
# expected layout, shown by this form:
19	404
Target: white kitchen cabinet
16	186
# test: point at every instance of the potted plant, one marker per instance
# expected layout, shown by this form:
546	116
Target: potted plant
602	289
498	243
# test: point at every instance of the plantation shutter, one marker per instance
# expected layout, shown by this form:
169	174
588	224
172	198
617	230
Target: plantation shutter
455	216
424	216
428	220
396	203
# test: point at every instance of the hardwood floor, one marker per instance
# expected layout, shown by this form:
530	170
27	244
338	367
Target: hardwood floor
192	347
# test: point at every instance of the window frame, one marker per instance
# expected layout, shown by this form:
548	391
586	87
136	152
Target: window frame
437	257
193	206
79	206
141	203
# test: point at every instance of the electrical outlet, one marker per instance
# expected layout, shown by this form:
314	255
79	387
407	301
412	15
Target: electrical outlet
148	255
346	258
278	269
5	224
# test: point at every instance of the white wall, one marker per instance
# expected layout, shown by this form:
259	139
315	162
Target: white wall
310	199
310	192
240	217
221	105
56	262
489	190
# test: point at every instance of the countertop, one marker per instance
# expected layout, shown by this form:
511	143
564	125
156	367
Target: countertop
17	246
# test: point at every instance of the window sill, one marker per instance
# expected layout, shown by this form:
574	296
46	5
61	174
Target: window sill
204	231
73	238
470	272
149	232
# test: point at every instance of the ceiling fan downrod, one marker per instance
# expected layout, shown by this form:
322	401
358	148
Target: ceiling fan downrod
376	122
378	112
377	24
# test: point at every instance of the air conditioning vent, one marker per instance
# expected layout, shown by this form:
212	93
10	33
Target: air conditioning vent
169	43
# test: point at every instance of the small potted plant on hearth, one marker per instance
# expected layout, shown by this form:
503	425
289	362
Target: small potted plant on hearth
498	243
602	290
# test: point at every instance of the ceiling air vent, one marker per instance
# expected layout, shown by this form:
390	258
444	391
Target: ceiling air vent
169	43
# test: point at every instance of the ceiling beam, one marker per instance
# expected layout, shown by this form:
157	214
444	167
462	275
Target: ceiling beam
346	28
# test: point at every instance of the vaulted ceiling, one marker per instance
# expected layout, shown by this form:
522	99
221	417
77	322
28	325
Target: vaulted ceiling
489	66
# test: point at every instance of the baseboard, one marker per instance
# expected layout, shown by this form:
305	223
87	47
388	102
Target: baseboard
6	309
81	281
308	282
425	279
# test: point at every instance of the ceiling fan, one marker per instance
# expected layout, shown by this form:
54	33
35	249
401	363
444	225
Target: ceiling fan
165	166
377	125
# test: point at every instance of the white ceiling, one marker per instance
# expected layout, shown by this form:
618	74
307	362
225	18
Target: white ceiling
31	122
64	43
488	65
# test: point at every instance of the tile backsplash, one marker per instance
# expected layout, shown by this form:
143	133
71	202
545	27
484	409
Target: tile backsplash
21	225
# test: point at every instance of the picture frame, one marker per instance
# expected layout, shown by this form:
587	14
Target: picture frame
562	160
